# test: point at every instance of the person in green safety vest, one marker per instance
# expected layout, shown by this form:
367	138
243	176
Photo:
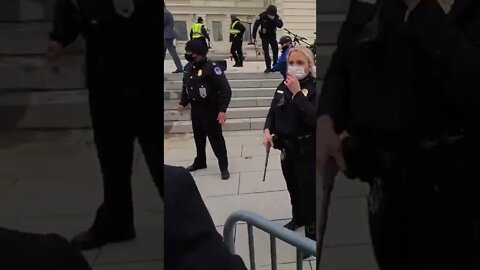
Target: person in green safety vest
198	31
236	37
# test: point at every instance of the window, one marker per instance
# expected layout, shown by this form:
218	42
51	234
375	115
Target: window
217	31
181	30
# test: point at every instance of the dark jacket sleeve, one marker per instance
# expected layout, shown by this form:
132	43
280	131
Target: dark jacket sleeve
191	33
255	28
190	234
270	120
306	106
333	99
66	23
241	28
184	100
278	22
223	86
460	51
205	33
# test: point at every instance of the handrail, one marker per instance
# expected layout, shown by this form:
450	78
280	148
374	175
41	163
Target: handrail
303	244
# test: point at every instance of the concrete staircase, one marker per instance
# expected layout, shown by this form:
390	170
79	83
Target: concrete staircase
32	94
251	97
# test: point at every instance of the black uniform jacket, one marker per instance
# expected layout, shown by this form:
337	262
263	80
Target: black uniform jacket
191	239
291	117
240	27
205	85
420	73
119	49
268	27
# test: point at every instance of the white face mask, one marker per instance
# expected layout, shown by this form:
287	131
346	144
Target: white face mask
298	71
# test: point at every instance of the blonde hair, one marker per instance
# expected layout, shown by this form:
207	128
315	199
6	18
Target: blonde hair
308	55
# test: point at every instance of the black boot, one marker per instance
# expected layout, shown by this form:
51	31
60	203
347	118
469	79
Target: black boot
91	239
102	232
225	174
195	166
291	225
267	70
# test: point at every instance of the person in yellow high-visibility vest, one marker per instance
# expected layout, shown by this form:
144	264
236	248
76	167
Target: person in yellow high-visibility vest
198	31
236	37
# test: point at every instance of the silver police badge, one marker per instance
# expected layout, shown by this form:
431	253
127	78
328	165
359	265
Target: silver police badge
203	92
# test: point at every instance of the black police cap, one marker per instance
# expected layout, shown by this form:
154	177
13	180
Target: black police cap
196	46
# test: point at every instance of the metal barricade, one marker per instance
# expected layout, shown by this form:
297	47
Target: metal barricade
303	244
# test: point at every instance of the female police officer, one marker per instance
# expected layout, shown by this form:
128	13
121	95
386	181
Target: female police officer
290	127
206	88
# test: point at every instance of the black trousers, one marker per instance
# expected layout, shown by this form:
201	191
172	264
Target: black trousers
426	216
205	124
272	42
236	50
120	115
293	187
300	175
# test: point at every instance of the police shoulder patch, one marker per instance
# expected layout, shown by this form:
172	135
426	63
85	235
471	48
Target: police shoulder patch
217	70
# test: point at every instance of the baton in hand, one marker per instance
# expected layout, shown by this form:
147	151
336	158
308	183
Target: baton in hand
266	164
328	175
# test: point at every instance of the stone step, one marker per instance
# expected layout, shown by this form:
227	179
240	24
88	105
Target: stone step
25	10
246	84
239	102
44	110
328	27
29	39
232	76
181	127
232	113
37	73
41	110
333	6
236	92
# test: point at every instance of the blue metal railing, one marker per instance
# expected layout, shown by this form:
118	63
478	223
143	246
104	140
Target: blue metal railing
303	244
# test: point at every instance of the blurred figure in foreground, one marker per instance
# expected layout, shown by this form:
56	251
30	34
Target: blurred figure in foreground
403	84
191	239
125	95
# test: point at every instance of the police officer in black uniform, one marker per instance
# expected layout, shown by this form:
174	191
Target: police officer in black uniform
290	127
123	47
268	21
406	90
206	88
237	29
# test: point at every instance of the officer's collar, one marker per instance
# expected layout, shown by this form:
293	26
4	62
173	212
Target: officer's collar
306	79
200	63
